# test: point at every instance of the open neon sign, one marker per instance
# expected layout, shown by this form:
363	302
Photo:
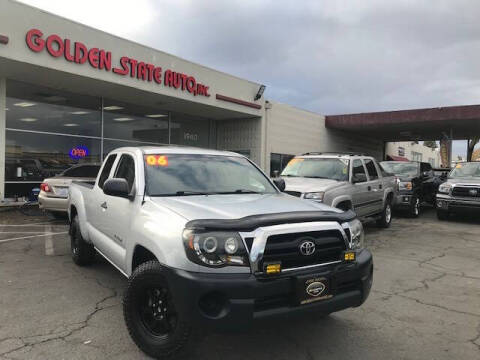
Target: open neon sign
78	152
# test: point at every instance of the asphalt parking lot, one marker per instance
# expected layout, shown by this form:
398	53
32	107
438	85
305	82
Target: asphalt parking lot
425	302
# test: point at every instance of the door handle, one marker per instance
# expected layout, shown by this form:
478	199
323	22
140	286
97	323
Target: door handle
104	205
380	186
369	188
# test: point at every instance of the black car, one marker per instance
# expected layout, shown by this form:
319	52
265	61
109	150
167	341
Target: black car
417	183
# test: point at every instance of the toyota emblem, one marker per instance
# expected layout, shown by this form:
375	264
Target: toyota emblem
473	192
307	248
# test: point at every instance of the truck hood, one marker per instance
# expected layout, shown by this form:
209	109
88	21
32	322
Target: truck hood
304	185
471	181
237	206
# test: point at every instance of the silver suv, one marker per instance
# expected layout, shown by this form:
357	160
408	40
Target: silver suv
345	181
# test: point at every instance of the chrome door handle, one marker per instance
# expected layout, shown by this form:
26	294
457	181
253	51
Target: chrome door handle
104	205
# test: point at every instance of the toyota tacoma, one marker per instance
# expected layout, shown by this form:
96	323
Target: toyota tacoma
208	241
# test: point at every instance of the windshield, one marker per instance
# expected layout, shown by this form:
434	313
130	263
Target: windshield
192	174
466	170
400	168
324	168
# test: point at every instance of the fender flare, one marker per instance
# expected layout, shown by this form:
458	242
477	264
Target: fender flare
341	199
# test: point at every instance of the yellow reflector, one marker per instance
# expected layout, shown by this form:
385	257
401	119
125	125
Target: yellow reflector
273	269
349	256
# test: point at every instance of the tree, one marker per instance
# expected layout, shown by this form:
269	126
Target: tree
471	146
431	144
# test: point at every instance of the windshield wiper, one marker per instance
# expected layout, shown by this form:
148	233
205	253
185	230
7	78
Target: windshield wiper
240	191
189	192
318	177
288	175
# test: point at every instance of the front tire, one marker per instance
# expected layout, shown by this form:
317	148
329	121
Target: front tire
386	215
83	253
152	320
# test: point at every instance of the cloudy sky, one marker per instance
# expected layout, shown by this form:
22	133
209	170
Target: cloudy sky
330	57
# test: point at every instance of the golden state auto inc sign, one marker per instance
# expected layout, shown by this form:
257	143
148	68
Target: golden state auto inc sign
101	59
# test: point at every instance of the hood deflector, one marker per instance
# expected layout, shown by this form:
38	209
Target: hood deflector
250	223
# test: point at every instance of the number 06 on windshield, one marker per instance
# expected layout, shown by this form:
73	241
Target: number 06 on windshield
156	160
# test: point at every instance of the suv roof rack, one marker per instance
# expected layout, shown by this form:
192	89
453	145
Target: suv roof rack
339	153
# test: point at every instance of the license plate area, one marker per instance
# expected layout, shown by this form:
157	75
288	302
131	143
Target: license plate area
61	191
312	288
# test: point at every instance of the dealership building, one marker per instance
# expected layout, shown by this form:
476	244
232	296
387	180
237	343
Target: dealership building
70	94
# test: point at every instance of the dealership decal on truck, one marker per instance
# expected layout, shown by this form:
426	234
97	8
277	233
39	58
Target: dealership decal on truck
102	60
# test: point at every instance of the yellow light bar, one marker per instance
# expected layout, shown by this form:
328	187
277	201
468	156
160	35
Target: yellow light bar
349	256
273	269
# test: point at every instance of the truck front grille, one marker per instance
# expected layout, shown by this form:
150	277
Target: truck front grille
464	191
285	248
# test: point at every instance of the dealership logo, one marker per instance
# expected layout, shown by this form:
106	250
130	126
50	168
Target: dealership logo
315	289
77	52
307	248
78	152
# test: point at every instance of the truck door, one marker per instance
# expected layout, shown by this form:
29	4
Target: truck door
360	193
117	214
375	187
93	205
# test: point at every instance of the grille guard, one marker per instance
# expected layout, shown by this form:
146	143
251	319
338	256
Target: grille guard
261	234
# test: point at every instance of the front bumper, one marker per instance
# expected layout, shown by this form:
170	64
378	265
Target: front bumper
447	203
52	203
403	200
233	301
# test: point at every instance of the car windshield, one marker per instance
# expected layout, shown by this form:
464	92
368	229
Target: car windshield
194	174
400	168
466	170
323	168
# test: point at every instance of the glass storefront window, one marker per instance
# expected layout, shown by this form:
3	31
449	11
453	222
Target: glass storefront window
189	130
31	157
51	130
137	123
35	108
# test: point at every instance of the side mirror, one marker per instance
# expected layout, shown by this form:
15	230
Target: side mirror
279	183
116	187
425	174
359	178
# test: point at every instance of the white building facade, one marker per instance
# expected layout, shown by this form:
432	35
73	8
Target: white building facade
413	151
70	94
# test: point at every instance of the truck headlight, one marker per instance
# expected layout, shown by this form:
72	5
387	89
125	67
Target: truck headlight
357	236
444	188
317	196
215	248
405	185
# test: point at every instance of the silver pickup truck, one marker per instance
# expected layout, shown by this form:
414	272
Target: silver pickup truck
461	191
207	240
345	181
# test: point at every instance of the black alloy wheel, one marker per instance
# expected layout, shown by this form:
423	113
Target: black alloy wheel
157	312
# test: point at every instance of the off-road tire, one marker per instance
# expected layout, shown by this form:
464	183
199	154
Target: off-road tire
442	215
83	253
414	210
386	216
146	276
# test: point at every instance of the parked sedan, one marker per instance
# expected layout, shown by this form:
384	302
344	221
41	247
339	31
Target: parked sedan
53	195
416	184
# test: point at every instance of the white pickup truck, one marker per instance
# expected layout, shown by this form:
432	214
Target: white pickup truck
207	240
